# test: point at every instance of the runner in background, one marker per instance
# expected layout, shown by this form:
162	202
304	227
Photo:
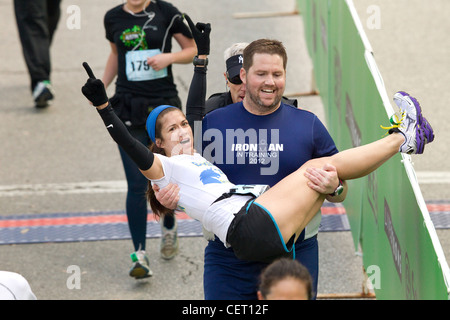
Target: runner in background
36	22
140	34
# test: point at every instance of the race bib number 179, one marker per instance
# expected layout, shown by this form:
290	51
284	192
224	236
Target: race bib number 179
137	68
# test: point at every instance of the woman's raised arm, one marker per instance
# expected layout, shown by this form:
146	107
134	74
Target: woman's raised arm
94	91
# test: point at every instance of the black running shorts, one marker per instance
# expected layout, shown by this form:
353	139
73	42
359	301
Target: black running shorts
254	235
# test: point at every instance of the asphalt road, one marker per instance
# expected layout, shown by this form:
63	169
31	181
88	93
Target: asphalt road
66	143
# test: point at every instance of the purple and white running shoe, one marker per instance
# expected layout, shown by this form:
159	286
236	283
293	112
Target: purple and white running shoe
413	125
423	122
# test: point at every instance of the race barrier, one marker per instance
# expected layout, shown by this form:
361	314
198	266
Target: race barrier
388	217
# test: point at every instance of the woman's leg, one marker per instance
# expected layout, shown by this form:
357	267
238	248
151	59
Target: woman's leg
360	161
136	201
293	204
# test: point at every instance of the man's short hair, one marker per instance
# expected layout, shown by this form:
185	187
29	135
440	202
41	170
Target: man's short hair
264	46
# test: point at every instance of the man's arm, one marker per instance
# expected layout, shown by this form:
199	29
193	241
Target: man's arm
325	181
167	196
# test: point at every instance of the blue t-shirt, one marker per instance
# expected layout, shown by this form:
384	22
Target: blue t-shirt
260	150
263	149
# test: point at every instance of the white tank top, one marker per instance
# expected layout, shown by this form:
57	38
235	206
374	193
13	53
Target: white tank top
201	183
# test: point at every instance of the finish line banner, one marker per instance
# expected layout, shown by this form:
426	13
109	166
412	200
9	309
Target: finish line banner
389	220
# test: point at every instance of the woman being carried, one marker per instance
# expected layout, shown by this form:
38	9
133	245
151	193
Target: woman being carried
259	226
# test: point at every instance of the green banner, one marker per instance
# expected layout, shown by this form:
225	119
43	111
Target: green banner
401	253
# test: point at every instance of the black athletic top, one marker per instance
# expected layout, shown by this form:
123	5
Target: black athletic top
143	31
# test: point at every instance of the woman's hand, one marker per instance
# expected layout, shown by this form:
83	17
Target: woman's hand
200	32
94	90
160	61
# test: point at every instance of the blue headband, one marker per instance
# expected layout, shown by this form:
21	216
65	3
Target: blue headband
151	120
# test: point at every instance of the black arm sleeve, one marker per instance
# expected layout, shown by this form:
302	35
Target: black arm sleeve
195	104
140	154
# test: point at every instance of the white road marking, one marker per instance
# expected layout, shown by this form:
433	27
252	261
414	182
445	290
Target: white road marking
120	186
16	190
433	177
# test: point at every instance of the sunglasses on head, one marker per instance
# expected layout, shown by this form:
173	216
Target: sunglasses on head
235	80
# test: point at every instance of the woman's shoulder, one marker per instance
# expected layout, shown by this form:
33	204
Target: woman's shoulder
166	6
113	13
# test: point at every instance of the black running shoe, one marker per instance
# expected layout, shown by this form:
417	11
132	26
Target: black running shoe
42	94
